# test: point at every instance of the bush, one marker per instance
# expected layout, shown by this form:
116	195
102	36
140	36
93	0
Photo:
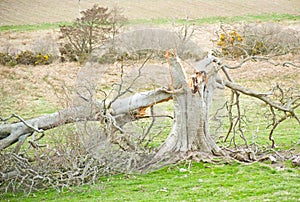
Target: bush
26	58
231	43
7	60
42	59
257	39
97	25
267	38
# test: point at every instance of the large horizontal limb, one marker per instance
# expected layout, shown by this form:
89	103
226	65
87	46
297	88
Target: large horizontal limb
10	133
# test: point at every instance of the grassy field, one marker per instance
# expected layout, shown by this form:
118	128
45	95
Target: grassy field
36	90
165	21
192	181
187	181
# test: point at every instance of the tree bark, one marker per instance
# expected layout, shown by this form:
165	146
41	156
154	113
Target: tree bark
10	133
190	130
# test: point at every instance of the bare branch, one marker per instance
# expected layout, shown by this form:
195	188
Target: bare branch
120	92
27	124
258	58
261	96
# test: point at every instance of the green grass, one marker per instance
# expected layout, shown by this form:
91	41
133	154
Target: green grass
247	18
36	27
199	182
164	21
216	19
28	110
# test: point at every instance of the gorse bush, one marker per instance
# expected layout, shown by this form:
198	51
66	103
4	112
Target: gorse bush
257	39
7	59
25	57
41	59
231	43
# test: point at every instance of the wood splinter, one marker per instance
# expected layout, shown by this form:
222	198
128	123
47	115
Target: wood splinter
197	82
141	112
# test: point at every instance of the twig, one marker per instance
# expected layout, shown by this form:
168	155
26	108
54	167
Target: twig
255	58
150	126
26	124
120	92
20	142
156	116
216	117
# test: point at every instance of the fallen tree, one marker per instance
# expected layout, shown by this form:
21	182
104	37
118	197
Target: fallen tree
189	136
190	128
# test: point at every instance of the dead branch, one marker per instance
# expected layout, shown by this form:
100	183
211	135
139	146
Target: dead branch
286	104
263	97
287	107
259	58
122	92
186	31
10	133
239	119
29	177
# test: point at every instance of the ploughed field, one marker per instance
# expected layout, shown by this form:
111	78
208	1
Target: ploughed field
38	11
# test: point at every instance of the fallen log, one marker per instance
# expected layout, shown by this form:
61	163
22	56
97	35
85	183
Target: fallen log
91	111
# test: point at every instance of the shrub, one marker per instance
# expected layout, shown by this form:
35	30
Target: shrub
257	39
25	57
231	43
96	25
42	59
7	59
29	58
267	38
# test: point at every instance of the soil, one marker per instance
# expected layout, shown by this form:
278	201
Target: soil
40	11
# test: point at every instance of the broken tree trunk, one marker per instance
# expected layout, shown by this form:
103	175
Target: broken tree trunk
190	131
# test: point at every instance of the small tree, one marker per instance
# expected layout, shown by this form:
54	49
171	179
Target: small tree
96	25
